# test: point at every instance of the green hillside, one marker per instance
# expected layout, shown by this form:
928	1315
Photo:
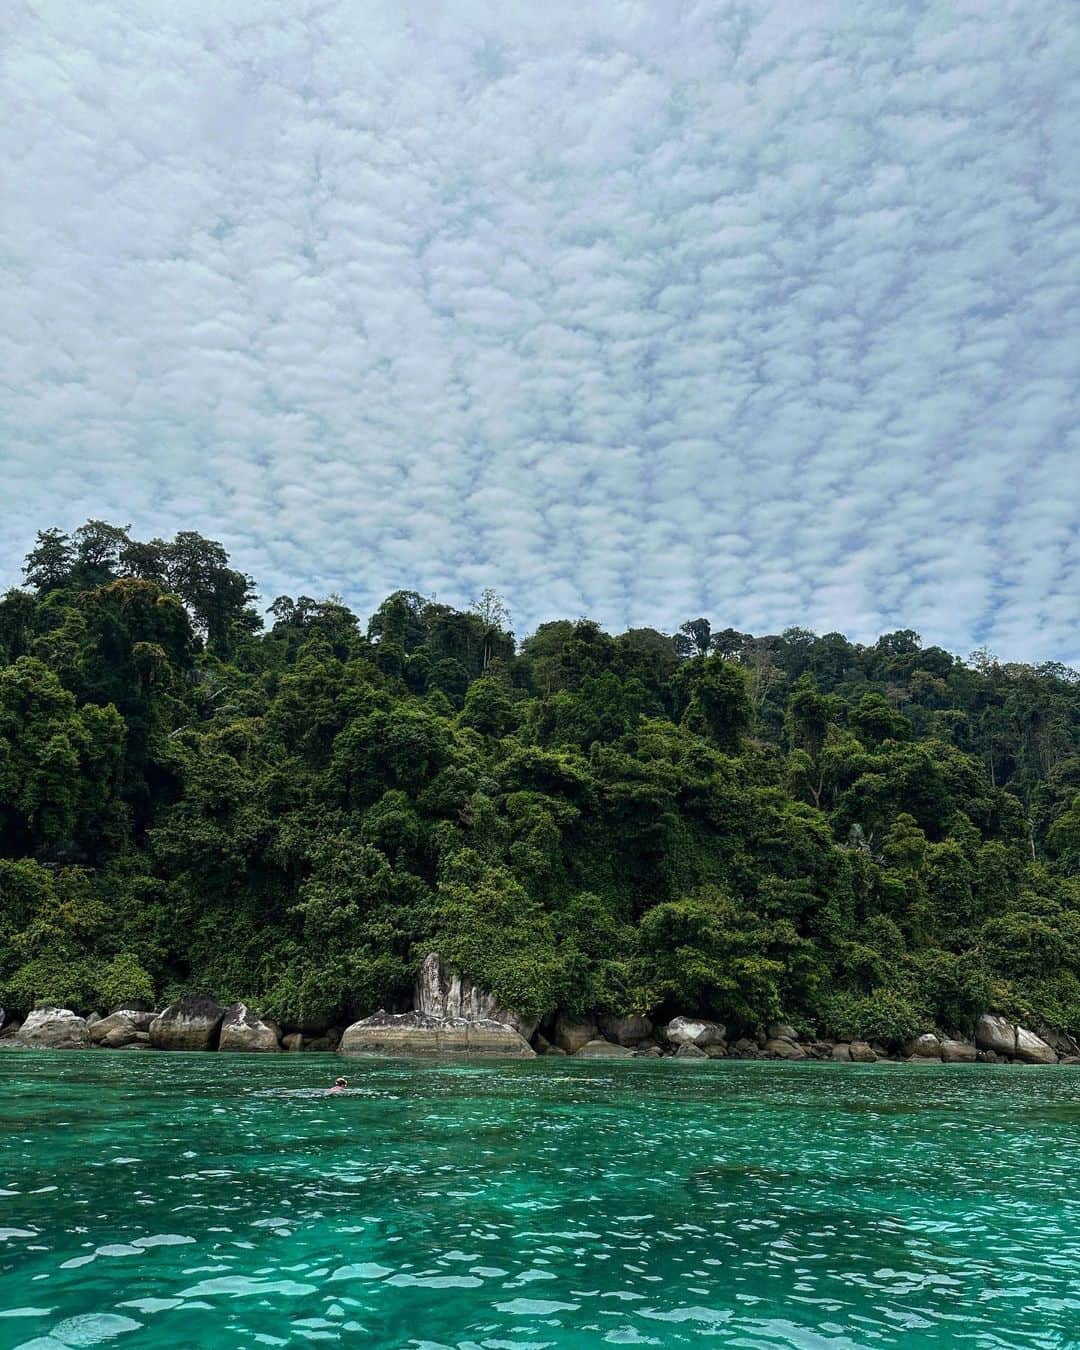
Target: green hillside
864	839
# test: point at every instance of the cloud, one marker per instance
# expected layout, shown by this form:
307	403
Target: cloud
760	310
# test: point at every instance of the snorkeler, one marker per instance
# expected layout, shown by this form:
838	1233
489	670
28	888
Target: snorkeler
340	1084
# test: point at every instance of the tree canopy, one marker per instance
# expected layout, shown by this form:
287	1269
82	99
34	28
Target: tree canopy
293	808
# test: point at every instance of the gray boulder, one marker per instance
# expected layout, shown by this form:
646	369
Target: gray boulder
957	1052
571	1034
191	1023
628	1030
1062	1044
294	1041
782	1031
842	1052
54	1029
1032	1049
745	1048
442	992
601	1049
694	1031
781	1048
926	1046
993	1032
688	1050
417	1033
114	1032
242	1031
861	1053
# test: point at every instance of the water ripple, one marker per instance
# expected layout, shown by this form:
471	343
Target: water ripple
172	1201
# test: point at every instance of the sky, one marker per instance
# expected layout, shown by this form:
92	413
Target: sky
764	310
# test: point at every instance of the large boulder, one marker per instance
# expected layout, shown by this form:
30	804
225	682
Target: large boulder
294	1041
1058	1041
957	1052
926	1046
841	1052
417	1033
54	1029
694	1031
114	1032
688	1050
782	1031
241	1030
571	1034
191	1023
993	1032
779	1047
628	1030
442	992
861	1053
139	1017
600	1049
1032	1049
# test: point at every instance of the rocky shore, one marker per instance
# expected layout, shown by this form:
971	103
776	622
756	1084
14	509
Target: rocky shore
453	1017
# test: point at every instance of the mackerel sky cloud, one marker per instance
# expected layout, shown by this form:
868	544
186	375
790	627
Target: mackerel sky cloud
764	310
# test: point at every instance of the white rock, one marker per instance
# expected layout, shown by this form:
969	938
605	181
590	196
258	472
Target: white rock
1032	1049
694	1031
441	992
54	1029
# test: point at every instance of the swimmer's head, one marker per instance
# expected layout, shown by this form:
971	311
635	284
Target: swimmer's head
341	1082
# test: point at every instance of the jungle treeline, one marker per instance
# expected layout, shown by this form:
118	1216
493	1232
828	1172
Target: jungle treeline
291	808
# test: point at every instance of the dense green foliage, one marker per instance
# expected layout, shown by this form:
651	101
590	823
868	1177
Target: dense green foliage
865	840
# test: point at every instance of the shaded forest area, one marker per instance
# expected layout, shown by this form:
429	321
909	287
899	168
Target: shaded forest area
864	840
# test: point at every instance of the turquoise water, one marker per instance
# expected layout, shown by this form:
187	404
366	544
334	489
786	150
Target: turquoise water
187	1200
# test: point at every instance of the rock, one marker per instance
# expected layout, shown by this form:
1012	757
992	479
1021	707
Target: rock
987	1057
628	1030
571	1035
91	1018
782	1031
293	1041
556	1051
323	1044
645	1051
716	1051
819	1049
996	1033
54	1029
601	1049
1032	1049
744	1048
1071	1060
541	1044
842	1053
779	1048
441	992
688	1050
1059	1042
114	1032
926	1046
861	1053
139	1017
418	1033
694	1031
242	1030
191	1023
957	1052
10	1029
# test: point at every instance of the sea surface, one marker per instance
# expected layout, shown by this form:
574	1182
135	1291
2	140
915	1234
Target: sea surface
152	1200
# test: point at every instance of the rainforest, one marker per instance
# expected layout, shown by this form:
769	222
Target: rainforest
291	808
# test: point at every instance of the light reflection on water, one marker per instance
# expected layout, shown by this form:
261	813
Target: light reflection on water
174	1200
